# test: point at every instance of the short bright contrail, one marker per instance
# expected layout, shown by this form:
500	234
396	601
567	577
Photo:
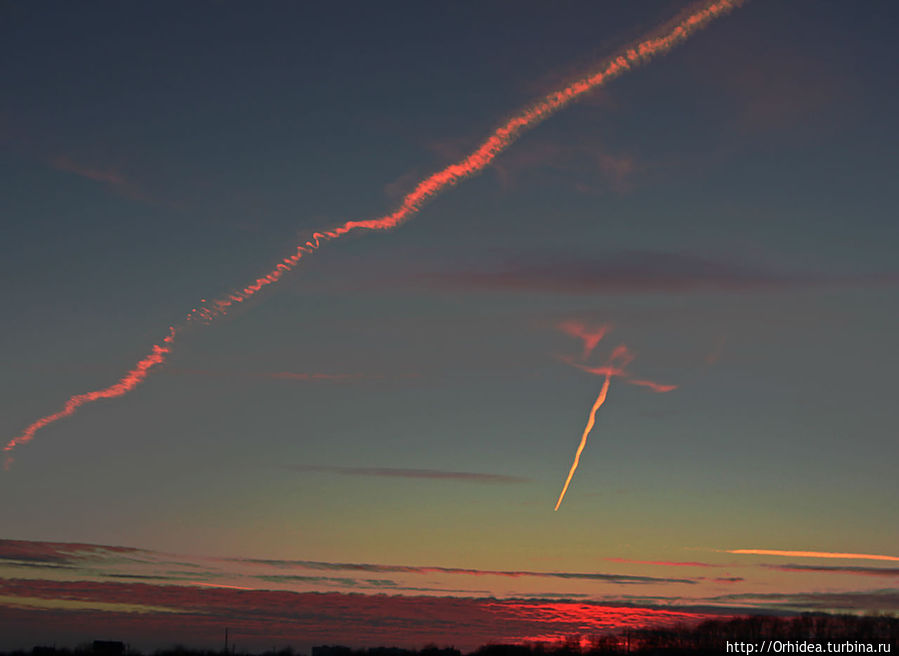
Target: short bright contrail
660	41
616	365
580	448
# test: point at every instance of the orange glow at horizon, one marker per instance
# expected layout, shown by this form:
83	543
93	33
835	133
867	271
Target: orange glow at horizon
662	40
810	554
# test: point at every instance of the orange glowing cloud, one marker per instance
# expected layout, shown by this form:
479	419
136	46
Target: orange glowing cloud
589	336
626	59
655	387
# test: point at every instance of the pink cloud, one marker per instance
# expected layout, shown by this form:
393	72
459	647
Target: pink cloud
111	177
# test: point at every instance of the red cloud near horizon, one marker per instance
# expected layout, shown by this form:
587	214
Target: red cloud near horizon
258	617
666	563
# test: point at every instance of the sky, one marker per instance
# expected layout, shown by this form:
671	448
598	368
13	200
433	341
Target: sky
389	426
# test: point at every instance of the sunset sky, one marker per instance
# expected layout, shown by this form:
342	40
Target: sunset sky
370	450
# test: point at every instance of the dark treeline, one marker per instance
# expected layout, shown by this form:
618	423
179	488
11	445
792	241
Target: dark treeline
718	636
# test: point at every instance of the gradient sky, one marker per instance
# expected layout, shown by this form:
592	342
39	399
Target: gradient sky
401	398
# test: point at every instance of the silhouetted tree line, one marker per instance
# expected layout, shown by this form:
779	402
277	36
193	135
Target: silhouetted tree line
709	637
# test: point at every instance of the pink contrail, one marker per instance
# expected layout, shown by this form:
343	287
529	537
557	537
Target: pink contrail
125	384
662	40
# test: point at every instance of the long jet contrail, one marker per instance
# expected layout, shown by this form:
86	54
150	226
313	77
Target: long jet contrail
660	41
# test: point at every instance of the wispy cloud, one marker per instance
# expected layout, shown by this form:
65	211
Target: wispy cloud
106	175
413	569
665	563
646	272
111	177
299	376
868	600
58	553
181	612
392	472
102	563
363	584
589	165
860	571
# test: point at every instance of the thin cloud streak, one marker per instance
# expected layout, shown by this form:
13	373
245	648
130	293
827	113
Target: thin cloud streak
869	600
110	177
642	272
411	569
393	472
860	571
311	376
107	176
100	561
665	563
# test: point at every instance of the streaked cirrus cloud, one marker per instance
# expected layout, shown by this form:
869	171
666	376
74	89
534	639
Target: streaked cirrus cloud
860	571
665	563
643	272
395	472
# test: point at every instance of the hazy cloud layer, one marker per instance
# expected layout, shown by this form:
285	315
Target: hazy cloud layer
100	562
665	563
885	600
391	472
134	592
192	614
836	569
641	272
